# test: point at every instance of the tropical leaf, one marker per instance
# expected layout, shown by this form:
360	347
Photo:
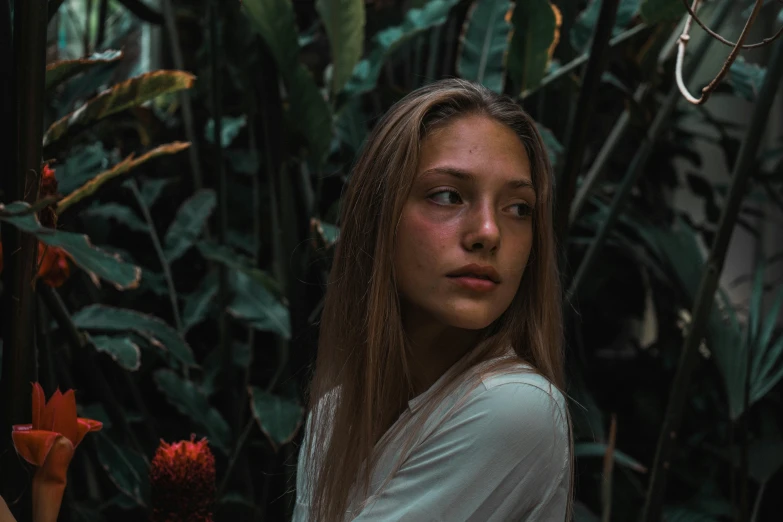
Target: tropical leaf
125	95
191	402
58	72
274	21
198	303
230	127
278	418
188	224
235	261
118	170
123	350
254	304
584	26
654	11
151	189
746	78
554	148
107	318
126	469
82	165
385	42
483	43
120	213
97	263
344	22
598	449
536	32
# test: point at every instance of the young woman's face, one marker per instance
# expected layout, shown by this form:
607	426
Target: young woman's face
450	221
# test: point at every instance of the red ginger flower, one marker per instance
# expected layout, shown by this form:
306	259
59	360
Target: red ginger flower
53	264
182	482
49	443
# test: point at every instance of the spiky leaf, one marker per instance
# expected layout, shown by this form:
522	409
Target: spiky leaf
107	318
125	95
97	263
58	72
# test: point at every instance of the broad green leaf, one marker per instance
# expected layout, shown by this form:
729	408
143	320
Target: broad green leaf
126	469
107	318
351	124
121	213
746	78
584	26
598	449
483	43
58	72
254	304
235	261
244	161
385	42
274	21
278	418
198	303
125	95
123	350
765	458
122	168
344	23
97	263
230	128
95	411
191	402
654	11
536	32
188	224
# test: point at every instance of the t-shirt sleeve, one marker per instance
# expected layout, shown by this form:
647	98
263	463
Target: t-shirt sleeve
503	456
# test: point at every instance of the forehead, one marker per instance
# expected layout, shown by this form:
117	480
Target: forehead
477	144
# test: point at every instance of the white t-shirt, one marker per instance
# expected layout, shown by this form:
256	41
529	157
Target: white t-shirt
501	457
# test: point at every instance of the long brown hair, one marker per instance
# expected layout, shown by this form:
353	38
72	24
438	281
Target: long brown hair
361	383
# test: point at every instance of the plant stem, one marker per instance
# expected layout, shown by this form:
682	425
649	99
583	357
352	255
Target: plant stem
24	65
103	13
709	283
161	256
577	135
638	162
184	97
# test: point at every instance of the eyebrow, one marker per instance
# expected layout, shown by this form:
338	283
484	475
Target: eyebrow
467	176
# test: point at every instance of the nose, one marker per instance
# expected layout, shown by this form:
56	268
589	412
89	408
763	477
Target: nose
482	230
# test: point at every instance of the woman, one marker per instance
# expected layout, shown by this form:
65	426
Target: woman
440	353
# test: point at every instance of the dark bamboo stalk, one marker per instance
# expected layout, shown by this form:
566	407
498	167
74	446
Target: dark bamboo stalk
142	11
577	135
705	296
53	7
639	160
86	36
103	14
24	62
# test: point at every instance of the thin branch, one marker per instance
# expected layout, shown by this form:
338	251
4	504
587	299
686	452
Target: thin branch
721	39
702	306
685	38
159	250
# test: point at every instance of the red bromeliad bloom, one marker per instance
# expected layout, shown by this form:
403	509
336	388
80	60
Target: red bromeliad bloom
50	419
182	482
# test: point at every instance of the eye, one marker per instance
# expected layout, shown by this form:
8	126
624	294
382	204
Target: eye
526	210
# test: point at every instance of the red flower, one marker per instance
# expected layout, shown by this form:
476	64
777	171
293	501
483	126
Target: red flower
50	419
53	265
48	182
49	443
182	482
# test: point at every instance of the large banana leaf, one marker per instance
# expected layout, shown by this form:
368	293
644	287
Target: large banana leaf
125	95
536	32
483	43
58	72
121	168
274	21
97	263
365	74
344	23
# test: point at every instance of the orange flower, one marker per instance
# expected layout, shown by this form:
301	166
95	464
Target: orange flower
49	443
182	482
50	419
53	265
48	182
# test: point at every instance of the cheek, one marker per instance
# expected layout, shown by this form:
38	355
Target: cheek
420	248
